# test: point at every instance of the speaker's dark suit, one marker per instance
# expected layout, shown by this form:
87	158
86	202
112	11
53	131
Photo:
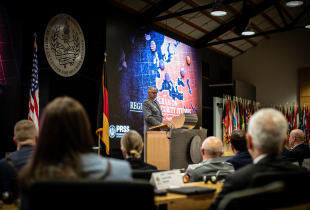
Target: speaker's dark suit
300	152
241	159
242	179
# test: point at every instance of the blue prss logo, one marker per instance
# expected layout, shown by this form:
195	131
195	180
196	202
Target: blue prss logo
112	131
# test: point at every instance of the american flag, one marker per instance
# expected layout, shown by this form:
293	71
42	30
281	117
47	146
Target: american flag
33	111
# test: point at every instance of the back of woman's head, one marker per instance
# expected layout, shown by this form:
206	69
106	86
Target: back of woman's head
64	134
132	144
64	128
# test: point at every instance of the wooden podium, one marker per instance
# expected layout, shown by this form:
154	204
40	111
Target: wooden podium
171	149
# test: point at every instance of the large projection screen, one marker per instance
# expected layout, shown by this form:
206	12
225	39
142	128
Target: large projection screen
139	58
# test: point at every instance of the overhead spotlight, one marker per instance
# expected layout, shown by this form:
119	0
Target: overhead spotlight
248	31
218	9
291	3
244	19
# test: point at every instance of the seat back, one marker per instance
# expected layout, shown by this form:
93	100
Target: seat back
89	194
292	194
259	195
143	174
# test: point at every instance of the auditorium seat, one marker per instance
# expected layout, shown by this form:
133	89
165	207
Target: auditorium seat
89	194
290	194
143	174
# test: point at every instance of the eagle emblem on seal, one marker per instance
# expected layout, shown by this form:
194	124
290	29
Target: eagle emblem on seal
66	47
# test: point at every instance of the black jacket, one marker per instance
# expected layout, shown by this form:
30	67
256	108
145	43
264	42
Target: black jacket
299	153
241	159
242	179
138	164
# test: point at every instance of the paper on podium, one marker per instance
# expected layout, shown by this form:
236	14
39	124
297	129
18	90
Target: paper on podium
176	122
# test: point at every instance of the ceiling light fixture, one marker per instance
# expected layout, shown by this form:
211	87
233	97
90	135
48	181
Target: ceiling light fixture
218	9
248	31
292	3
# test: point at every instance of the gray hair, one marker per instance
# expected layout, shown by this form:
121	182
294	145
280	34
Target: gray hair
267	128
150	89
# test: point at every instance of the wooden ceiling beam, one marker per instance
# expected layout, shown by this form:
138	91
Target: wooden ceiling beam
205	12
300	16
174	30
218	20
252	12
221	52
197	27
281	14
123	7
192	10
285	11
265	15
237	13
132	11
304	7
156	10
258	29
255	35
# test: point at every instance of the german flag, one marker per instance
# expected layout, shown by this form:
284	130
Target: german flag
103	111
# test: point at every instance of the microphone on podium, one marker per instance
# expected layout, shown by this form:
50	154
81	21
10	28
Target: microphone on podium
168	121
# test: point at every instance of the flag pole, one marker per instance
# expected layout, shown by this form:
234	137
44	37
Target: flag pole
104	61
35	37
98	145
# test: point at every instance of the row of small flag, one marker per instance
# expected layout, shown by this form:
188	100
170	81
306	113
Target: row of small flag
298	117
237	112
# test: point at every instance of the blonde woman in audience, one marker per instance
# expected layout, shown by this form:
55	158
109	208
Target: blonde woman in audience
64	150
131	146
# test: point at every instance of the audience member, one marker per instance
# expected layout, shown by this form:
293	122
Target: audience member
211	150
242	156
131	146
25	136
299	150
64	149
286	152
265	141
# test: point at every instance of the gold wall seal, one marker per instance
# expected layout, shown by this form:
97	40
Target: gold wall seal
64	45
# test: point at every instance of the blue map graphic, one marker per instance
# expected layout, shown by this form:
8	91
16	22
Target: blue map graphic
176	43
193	108
189	87
180	82
169	54
173	92
138	69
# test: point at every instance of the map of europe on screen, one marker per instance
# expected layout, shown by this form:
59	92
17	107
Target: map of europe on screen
152	59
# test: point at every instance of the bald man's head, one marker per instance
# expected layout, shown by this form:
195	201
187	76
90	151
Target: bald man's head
212	147
296	137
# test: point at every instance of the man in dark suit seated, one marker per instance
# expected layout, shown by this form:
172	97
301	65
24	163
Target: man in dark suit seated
25	137
211	150
286	152
299	150
265	141
242	156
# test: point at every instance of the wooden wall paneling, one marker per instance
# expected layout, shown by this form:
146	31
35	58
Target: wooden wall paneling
304	86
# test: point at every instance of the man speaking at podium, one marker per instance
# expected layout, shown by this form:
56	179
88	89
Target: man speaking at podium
151	110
